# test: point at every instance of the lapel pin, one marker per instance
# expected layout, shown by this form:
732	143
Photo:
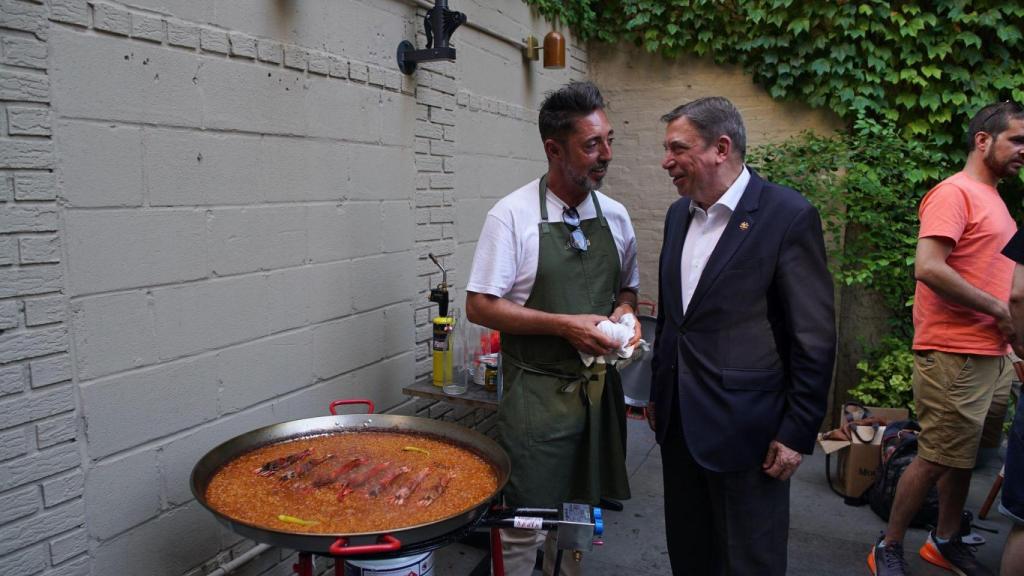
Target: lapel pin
744	225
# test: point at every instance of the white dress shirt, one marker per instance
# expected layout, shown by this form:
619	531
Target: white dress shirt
706	227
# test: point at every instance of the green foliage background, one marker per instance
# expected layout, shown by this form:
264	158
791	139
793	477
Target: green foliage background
924	66
867	183
906	76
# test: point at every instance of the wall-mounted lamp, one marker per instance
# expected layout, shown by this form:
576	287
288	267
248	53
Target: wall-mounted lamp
439	25
554	50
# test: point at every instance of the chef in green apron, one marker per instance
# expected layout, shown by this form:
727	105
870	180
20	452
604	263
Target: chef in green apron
555	258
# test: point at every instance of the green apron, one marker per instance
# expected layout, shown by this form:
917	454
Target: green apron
564	426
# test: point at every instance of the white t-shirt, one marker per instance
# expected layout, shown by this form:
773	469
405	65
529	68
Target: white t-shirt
505	263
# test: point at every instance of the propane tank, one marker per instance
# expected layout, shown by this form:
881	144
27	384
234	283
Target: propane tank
444	325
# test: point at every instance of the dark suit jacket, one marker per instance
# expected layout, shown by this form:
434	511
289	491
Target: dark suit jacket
751	360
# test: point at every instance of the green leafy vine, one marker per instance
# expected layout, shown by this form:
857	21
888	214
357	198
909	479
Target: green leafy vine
906	76
922	66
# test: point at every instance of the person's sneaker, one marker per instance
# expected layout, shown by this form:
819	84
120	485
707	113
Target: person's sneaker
887	560
953	555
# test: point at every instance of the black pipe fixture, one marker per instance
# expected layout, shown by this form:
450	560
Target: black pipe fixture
439	25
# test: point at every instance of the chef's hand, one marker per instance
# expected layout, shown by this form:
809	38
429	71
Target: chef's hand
780	462
617	315
650	415
581	331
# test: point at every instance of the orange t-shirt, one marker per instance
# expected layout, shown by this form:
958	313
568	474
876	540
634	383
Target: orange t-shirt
974	217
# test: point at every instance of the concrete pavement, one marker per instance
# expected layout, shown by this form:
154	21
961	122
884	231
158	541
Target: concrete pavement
827	537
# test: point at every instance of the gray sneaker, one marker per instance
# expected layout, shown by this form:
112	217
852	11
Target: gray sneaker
953	555
887	560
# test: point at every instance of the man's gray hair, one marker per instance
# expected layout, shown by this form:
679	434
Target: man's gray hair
713	117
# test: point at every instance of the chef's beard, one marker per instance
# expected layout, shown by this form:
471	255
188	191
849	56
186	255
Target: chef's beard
586	181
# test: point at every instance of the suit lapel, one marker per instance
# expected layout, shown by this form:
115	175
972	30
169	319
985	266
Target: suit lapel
740	227
681	223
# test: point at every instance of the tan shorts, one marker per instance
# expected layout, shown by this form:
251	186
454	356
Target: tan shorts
952	394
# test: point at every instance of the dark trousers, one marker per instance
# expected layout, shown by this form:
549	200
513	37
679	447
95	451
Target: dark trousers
722	523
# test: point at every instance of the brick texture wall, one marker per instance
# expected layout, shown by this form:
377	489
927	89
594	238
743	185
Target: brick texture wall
213	217
42	509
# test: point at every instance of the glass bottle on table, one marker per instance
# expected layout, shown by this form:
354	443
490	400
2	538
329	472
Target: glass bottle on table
455	381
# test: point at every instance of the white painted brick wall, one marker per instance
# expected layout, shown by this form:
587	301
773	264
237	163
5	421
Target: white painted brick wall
13	443
113	19
51	370
101	164
20	503
34	186
43	249
118	249
9	314
217	227
41	464
286	363
25	86
198	317
148	28
129	409
45	310
24	16
70	12
68	546
63	487
125	483
113	332
13	379
24	121
56	430
8	250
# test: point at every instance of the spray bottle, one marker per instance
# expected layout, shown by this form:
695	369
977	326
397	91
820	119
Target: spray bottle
441	342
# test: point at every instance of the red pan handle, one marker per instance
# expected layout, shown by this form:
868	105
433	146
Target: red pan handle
386	543
337	403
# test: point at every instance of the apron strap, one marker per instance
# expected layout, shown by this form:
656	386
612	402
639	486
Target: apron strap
583	380
543	190
597	207
543	187
527	367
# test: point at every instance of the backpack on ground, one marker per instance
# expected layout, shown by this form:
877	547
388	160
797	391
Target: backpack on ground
899	447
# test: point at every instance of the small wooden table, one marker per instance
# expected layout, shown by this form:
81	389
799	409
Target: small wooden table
475	396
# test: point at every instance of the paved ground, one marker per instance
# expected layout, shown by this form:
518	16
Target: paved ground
827	537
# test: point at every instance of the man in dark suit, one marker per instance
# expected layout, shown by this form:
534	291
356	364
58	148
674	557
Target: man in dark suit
744	348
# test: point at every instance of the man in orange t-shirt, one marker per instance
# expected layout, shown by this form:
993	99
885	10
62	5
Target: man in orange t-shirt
962	333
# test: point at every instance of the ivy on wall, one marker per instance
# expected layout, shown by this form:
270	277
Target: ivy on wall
923	66
866	183
906	76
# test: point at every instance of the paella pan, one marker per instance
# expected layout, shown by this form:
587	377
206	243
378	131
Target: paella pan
352	484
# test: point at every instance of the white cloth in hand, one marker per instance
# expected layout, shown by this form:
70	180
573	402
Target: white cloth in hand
621	332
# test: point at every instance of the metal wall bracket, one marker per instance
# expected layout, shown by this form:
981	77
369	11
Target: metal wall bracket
408	56
438	25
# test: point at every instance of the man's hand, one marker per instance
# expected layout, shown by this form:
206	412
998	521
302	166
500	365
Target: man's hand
581	331
780	462
1018	349
617	314
650	414
1005	323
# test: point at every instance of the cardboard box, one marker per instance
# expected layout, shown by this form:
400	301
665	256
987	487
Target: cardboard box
858	460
